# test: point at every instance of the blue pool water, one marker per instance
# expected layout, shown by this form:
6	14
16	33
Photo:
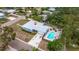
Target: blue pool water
51	36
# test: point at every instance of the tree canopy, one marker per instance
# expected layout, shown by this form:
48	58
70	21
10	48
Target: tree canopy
6	35
67	18
55	45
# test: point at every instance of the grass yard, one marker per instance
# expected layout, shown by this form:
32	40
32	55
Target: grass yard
3	20
21	34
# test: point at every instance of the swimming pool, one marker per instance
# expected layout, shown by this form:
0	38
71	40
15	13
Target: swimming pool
51	36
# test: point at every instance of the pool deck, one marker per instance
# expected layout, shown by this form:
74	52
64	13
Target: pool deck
56	35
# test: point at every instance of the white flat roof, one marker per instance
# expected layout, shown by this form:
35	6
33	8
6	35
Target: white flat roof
40	27
52	9
9	10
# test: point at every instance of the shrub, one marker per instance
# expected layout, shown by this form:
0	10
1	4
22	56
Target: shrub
55	45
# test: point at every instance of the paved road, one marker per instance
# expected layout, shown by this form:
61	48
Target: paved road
10	48
19	44
12	21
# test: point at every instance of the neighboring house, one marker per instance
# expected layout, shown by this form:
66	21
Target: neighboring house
51	9
47	12
44	17
2	15
9	10
29	13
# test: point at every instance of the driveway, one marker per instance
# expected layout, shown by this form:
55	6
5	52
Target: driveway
35	41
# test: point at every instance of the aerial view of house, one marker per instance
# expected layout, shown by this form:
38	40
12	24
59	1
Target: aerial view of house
39	29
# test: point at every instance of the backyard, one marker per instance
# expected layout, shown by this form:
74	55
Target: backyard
20	33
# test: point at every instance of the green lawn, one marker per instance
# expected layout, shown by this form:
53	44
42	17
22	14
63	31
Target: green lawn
37	18
23	21
3	20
